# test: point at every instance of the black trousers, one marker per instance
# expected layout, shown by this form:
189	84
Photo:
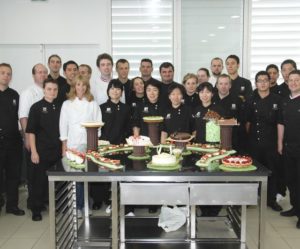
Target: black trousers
10	165
29	174
40	184
100	192
291	157
268	157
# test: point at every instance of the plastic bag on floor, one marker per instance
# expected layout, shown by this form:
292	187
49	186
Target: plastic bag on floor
171	219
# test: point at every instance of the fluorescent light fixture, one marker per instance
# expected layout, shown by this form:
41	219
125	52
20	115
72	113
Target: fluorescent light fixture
203	41
221	27
212	35
235	17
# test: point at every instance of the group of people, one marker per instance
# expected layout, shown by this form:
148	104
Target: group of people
51	111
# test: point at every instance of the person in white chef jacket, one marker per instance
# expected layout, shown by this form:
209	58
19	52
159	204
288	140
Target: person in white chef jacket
80	107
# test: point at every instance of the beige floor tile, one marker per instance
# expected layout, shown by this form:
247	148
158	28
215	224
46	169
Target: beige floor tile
283	222
293	243
287	233
276	243
14	243
43	242
3	240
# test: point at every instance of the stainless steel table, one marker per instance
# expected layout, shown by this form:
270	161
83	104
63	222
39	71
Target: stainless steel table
136	185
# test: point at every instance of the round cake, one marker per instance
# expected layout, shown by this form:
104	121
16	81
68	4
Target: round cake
237	161
153	119
212	132
163	159
180	136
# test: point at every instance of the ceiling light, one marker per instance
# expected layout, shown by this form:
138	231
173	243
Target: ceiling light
235	17
221	27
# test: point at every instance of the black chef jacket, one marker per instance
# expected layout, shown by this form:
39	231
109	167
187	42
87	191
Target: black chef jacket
127	90
290	118
163	95
274	89
145	110
116	118
9	130
43	121
241	87
177	119
263	115
283	90
191	100
199	124
63	89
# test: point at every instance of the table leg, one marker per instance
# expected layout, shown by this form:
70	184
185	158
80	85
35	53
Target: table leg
193	222
243	223
86	199
52	214
114	215
262	214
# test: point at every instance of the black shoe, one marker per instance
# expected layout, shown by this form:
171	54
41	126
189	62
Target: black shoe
36	217
97	206
152	210
289	213
298	223
275	206
15	210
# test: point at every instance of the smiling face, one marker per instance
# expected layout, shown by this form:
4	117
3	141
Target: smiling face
166	74
80	89
294	83
71	72
146	69
205	96
105	67
115	94
50	91
123	70
152	93
138	86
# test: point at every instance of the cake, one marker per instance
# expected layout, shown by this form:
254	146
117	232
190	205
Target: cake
231	121
212	115
139	141
180	136
212	132
153	119
237	161
163	159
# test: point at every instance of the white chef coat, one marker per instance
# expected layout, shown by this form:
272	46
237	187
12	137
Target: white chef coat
213	80
28	97
73	113
99	91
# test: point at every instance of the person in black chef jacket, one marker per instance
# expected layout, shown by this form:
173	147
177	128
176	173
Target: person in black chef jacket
289	143
116	118
205	91
262	115
239	85
178	116
190	97
232	106
151	107
286	67
115	115
10	141
46	151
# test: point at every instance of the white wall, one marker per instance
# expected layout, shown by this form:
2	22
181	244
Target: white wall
74	29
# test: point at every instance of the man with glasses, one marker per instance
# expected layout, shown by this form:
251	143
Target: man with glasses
262	115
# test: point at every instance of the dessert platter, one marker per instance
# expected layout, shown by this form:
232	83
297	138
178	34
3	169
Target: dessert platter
104	162
153	119
237	163
198	147
111	149
75	159
165	161
208	158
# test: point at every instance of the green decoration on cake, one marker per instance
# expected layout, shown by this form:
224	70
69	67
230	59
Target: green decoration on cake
212	132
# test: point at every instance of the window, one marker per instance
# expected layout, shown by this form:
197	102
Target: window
275	33
142	29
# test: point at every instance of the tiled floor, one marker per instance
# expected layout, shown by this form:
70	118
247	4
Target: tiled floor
22	232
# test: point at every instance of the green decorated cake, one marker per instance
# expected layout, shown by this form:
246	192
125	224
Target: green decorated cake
212	132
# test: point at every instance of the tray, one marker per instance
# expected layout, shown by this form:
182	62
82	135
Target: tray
228	169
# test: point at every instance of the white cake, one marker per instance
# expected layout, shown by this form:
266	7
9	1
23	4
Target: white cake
163	159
